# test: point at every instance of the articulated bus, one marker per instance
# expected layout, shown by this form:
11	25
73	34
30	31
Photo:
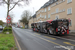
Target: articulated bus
55	27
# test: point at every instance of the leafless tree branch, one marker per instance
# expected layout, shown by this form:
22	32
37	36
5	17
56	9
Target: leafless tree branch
14	5
5	1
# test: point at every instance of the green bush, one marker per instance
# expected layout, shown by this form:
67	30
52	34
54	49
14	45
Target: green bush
10	45
10	26
4	48
7	29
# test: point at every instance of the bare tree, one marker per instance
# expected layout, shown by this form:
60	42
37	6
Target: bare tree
24	20
12	3
26	14
25	17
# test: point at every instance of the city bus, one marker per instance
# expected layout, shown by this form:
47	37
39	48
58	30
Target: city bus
55	27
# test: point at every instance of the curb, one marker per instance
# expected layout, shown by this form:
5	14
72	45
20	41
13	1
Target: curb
72	34
17	42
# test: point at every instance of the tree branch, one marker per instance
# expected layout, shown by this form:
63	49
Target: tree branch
14	5
5	1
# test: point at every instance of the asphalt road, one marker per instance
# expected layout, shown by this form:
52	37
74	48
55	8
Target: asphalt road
29	40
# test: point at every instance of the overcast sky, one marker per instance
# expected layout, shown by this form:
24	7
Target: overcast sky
17	11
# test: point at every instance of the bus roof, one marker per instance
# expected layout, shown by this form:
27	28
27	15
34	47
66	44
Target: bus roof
49	21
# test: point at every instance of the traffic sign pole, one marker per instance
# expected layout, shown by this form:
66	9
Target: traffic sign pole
8	21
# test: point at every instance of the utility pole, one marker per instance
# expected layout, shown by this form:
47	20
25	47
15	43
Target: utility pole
33	14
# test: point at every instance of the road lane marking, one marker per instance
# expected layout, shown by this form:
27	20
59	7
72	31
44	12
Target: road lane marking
50	37
37	34
64	38
52	42
69	43
47	37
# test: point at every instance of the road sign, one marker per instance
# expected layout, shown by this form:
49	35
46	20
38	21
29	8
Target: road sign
8	18
8	21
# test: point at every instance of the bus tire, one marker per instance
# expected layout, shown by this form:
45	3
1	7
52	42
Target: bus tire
39	31
48	33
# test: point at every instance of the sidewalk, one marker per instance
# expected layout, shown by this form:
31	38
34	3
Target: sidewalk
72	32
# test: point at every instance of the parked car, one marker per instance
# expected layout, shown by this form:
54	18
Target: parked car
1	27
21	27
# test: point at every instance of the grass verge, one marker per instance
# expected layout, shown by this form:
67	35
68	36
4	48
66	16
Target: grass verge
7	42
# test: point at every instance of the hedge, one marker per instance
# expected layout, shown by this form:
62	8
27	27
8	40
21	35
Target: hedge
7	29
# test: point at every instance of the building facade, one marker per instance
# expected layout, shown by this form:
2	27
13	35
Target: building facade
32	20
21	24
57	9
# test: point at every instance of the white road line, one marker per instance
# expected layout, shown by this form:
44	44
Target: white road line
65	47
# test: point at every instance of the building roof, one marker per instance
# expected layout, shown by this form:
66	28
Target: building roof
34	16
48	3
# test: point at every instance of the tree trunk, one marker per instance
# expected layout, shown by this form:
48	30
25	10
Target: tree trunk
7	13
8	9
23	25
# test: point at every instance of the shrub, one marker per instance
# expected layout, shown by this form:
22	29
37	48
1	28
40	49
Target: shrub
9	29
10	26
4	48
10	45
4	32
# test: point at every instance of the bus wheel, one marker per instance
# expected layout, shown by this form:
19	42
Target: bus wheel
48	33
39	31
